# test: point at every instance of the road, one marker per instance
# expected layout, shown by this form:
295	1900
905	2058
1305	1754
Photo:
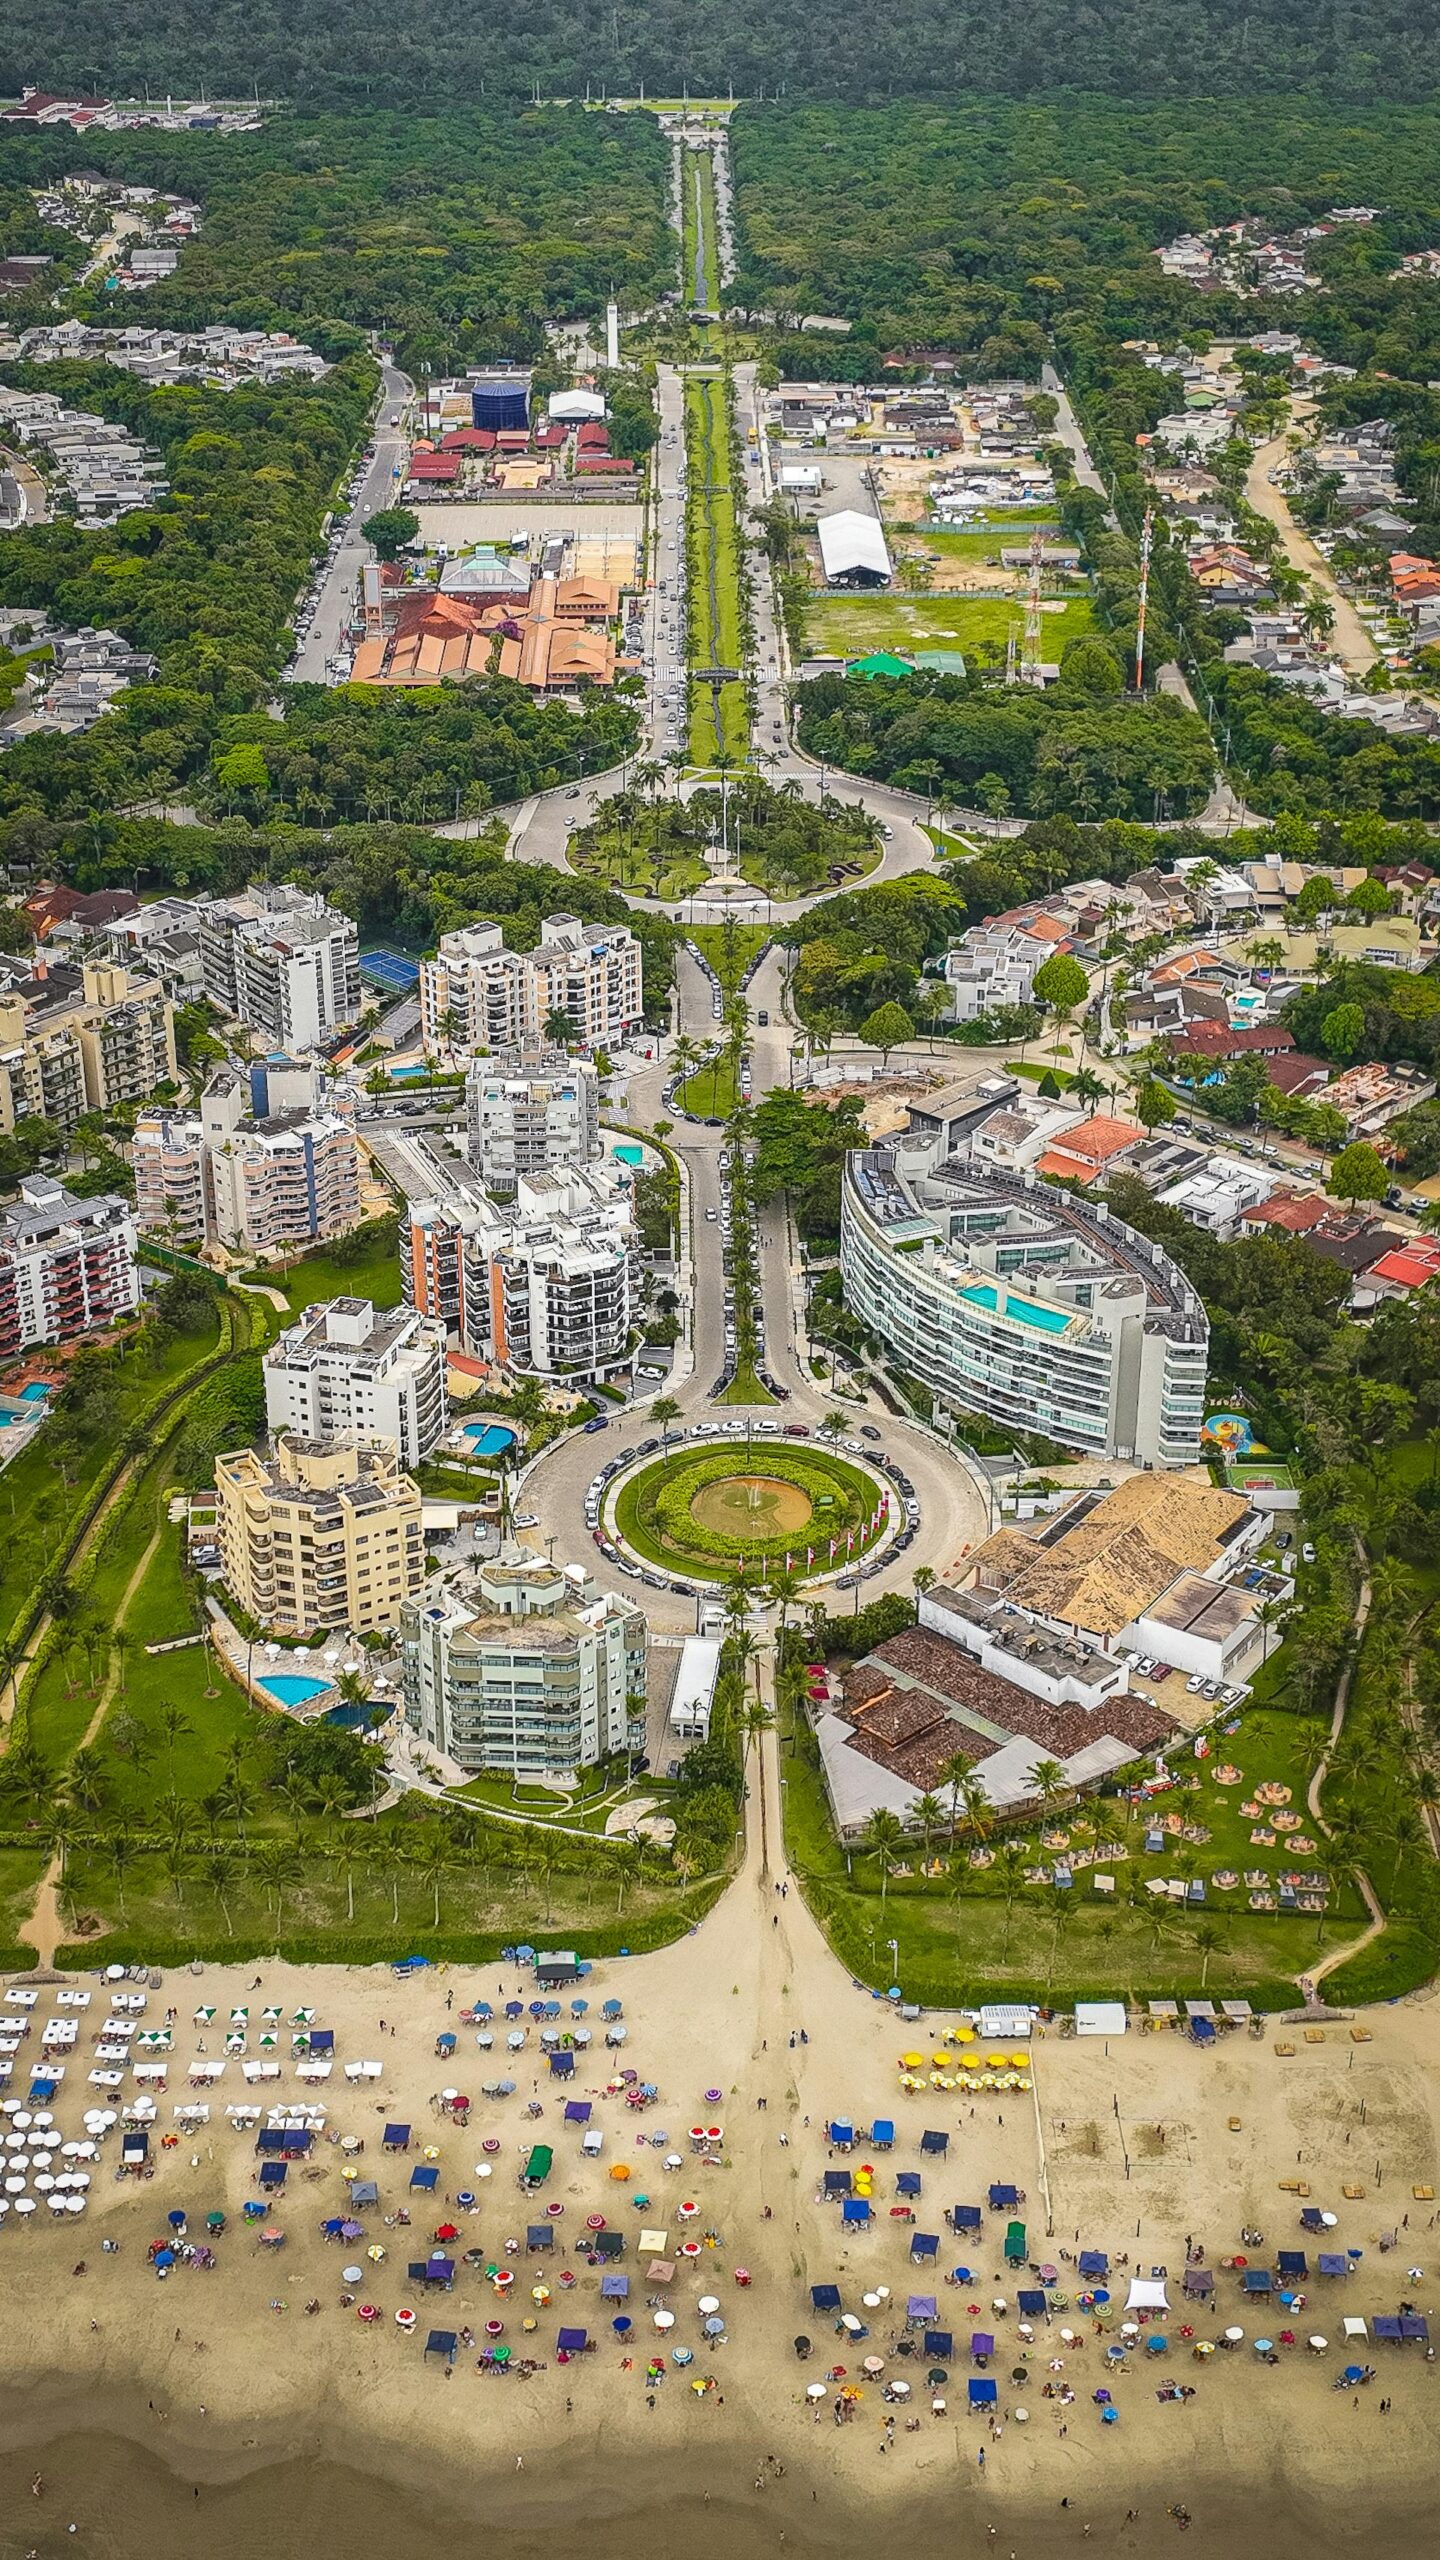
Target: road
1349	640
1067	432
335	603
952	1509
31	486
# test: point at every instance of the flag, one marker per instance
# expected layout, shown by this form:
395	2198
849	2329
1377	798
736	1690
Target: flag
788	1566
809	1558
849	1542
834	1543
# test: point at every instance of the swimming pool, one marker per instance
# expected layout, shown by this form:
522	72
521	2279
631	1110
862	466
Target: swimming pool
408	1075
1020	1310
358	1719
487	1439
629	1155
37	1389
292	1688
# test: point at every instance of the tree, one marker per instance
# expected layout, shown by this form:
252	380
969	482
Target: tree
1359	1172
1061	985
665	1410
884	1834
886	1028
560	1028
389	530
1342	1032
1154	1104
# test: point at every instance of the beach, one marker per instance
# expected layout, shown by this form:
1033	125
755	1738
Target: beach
127	2393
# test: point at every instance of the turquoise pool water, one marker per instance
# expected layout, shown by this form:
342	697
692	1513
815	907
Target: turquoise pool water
34	1393
629	1155
1044	1319
356	1719
408	1075
292	1688
487	1439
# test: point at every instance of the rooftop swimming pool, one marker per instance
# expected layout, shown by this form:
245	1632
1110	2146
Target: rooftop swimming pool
487	1439
1020	1310
292	1688
629	1155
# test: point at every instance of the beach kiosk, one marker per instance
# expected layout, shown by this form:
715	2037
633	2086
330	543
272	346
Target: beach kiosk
1015	2250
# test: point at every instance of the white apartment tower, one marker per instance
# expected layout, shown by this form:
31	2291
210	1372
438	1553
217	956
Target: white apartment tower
280	960
351	1370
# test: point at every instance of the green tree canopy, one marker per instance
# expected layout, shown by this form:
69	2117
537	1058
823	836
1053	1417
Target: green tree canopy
1359	1172
389	530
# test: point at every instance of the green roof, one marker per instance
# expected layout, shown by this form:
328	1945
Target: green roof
881	662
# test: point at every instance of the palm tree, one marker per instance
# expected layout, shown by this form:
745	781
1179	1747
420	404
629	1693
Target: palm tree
953	1774
177	1866
885	1836
220	1873
348	1852
122	1853
1010	1876
278	1864
929	1812
979	1811
173	1722
665	1410
834	1427
923	1580
1047	1777
784	1588
434	1859
627	1868
1208	1940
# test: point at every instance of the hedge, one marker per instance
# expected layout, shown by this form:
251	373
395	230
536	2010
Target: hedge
662	1496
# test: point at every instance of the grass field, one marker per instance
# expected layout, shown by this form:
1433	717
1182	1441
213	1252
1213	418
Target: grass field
959	1939
730	948
986	542
851	626
718	726
712	1092
635	868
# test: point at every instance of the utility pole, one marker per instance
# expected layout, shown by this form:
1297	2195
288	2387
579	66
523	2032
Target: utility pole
1146	537
1030	663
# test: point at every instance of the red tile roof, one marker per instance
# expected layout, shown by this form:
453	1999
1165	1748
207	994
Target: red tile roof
1295	1211
1216	1040
1413	1266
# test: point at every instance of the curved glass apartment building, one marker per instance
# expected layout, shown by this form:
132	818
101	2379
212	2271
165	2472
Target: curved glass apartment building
1016	1300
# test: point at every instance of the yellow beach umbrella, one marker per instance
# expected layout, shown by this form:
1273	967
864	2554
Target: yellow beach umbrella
911	2061
970	2062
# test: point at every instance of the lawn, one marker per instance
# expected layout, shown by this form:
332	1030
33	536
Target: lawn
364	1265
713	545
635	868
712	1092
40	1508
730	949
852	626
745	1388
985	543
959	1941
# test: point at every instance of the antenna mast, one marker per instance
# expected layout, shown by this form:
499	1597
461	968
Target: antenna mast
1146	536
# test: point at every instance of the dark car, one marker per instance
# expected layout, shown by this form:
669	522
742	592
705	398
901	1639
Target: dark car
600	1423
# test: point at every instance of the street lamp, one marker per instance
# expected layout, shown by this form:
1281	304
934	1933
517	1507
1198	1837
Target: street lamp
894	1946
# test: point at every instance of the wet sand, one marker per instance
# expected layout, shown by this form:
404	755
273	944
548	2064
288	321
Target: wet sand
307	2434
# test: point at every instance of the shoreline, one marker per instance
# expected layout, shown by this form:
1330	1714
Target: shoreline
133	2489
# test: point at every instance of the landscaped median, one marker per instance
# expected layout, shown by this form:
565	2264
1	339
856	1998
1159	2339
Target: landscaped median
705	1513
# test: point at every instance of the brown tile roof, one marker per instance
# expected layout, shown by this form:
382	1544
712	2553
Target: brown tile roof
896	1717
1117	1558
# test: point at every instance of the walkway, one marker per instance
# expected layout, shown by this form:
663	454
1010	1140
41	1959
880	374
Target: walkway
1350	640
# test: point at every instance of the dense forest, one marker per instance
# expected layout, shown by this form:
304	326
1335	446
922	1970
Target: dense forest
1069	751
456	235
826	49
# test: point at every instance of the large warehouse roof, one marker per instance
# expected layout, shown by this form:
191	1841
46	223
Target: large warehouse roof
565	407
851	542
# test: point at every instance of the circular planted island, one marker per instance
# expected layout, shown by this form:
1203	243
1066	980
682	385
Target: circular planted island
705	1512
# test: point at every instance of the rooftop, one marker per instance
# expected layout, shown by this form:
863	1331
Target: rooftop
1106	1559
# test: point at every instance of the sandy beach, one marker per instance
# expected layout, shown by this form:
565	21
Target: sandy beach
128	2394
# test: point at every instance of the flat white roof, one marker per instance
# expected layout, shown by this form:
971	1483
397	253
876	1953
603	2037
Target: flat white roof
1100	2018
851	541
695	1680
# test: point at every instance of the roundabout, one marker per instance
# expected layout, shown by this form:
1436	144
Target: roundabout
708	1512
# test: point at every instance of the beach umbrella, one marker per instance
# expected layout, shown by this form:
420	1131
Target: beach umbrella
814	2390
689	2248
405	2320
351	2275
24	2204
540	2293
375	2253
1234	2336
874	2364
1318	2345
663	2320
1110	2417
368	2311
621	2325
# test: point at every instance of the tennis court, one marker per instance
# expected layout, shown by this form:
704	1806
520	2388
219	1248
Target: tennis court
389	970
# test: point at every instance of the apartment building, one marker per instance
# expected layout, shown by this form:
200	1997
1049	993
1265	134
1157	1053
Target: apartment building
323	1535
280	960
543	1282
349	1369
531	1112
522	1667
474	994
81	1038
1017	1300
261	1167
67	1266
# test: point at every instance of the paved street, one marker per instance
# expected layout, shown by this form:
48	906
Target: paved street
324	638
953	1511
